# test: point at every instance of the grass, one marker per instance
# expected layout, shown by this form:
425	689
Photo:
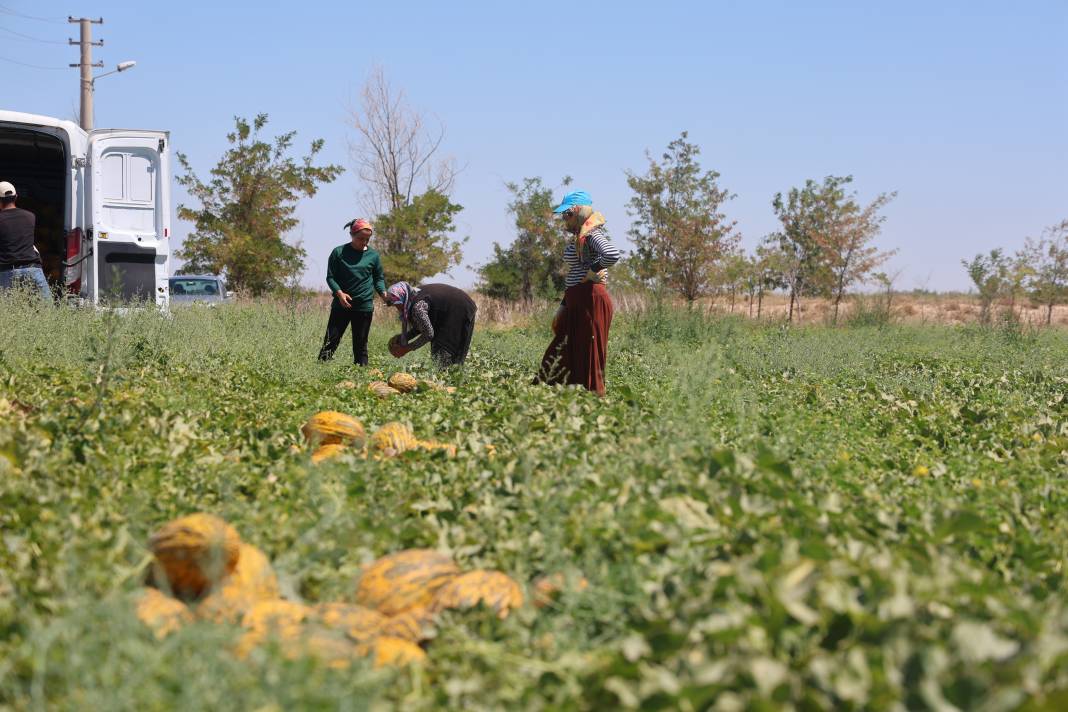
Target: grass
868	517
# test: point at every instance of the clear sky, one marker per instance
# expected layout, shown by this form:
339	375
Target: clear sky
961	107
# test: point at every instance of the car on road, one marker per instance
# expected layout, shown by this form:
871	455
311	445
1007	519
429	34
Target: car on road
203	288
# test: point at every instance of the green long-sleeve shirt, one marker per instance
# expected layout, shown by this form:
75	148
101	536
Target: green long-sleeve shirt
358	274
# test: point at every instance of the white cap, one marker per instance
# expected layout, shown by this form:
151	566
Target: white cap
7	190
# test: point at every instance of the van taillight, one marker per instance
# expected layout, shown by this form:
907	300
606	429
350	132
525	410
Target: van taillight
74	248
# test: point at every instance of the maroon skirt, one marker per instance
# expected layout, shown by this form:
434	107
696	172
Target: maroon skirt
577	354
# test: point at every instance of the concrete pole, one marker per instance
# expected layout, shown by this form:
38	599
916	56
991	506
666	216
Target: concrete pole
86	65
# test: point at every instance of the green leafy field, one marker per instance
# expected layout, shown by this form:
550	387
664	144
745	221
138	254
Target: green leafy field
767	517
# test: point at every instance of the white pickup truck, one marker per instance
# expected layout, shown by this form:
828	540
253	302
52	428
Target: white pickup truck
102	200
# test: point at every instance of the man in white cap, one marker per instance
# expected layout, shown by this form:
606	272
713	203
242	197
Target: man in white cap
20	262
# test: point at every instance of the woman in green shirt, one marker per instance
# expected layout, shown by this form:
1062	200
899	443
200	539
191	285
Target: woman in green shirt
354	274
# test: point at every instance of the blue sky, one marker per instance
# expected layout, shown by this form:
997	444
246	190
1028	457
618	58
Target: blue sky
961	107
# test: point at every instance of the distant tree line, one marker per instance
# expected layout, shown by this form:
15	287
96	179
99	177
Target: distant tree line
686	245
1038	272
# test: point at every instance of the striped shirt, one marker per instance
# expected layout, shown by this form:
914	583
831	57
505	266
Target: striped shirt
597	254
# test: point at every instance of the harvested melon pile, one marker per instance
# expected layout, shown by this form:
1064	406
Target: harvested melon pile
401	383
203	571
332	433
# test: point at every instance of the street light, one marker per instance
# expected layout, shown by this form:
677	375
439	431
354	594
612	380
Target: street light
121	67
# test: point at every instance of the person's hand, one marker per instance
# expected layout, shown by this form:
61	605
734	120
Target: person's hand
346	300
599	277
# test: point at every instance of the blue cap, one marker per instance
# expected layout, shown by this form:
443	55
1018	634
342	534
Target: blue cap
578	197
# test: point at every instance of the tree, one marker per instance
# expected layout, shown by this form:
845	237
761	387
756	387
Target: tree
416	238
531	265
845	240
679	227
407	183
803	217
826	238
733	274
990	274
1047	259
774	268
247	207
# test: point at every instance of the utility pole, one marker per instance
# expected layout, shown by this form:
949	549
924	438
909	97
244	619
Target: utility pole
86	65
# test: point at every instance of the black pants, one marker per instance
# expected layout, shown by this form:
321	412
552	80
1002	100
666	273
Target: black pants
444	358
340	317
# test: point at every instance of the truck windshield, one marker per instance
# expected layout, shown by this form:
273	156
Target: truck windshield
195	287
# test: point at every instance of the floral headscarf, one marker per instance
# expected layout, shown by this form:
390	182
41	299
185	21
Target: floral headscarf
594	221
404	294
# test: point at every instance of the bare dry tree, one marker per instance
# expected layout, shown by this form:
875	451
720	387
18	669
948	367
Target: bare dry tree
396	152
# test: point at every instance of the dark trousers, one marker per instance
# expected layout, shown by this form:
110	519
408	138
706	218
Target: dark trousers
340	318
444	358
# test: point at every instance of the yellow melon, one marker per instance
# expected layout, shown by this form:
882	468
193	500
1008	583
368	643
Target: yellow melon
332	427
281	620
327	452
414	624
251	582
435	446
397	653
392	439
161	613
382	389
493	589
333	649
358	622
192	553
404	580
403	382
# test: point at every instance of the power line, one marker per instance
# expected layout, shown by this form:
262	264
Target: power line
11	11
24	64
30	38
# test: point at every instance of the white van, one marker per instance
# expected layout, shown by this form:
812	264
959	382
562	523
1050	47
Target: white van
102	200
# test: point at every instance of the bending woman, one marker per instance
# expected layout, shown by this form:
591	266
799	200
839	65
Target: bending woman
438	314
579	349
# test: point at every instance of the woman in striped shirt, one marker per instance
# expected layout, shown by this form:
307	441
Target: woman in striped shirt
579	349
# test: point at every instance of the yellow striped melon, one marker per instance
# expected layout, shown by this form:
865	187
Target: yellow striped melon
393	439
404	580
193	553
327	452
395	652
381	389
332	427
494	589
403	382
358	622
161	613
251	582
414	624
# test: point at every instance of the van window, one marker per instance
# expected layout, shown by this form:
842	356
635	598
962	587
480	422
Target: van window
129	190
142	178
111	176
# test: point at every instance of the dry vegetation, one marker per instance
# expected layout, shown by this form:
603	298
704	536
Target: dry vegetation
952	308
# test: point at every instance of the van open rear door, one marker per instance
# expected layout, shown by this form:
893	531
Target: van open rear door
130	188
